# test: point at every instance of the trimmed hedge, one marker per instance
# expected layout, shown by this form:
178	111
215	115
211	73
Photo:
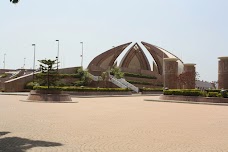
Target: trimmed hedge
139	75
139	82
41	75
195	92
218	93
213	91
213	94
80	89
184	92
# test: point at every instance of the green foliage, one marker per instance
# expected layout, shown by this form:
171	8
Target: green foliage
60	76
184	92
82	89
139	82
192	93
69	75
195	92
204	94
208	90
49	75
84	77
224	93
221	93
80	72
79	83
168	92
139	75
48	66
30	85
105	75
213	94
4	75
116	72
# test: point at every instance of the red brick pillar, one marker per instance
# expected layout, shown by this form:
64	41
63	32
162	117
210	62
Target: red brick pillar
170	73
223	73
190	71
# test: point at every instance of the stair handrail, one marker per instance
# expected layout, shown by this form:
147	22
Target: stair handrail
94	78
116	82
129	85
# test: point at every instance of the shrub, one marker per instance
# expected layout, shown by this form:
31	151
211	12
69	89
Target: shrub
224	93
84	76
116	72
193	92
178	92
219	95
4	75
204	94
208	90
139	75
168	92
82	89
213	94
30	85
79	83
184	92
139	82
69	76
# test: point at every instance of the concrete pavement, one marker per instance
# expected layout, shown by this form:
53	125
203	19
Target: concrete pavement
116	124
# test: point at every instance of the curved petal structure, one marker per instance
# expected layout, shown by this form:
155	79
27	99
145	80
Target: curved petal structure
105	60
158	54
135	58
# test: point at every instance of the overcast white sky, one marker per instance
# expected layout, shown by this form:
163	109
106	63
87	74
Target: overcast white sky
196	31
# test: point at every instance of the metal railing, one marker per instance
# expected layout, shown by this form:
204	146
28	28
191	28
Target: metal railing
94	78
122	83
129	85
116	82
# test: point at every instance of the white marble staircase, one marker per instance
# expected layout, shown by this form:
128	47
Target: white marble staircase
122	83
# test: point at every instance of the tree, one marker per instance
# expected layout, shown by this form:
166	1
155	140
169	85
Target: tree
49	74
85	79
105	77
14	1
116	72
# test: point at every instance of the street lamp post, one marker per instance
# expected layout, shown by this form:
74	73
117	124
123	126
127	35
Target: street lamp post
4	61
163	70
57	58
34	60
82	56
24	63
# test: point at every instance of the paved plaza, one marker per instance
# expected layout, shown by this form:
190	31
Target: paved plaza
111	124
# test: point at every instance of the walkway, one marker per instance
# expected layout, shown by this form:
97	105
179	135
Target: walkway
114	124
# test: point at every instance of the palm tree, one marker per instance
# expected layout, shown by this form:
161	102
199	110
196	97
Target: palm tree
14	1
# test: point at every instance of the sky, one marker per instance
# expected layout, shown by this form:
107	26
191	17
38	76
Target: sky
196	31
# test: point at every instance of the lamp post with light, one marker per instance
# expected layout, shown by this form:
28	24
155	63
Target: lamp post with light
57	57
34	60
82	56
4	61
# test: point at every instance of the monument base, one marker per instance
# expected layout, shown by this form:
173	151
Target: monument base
48	96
